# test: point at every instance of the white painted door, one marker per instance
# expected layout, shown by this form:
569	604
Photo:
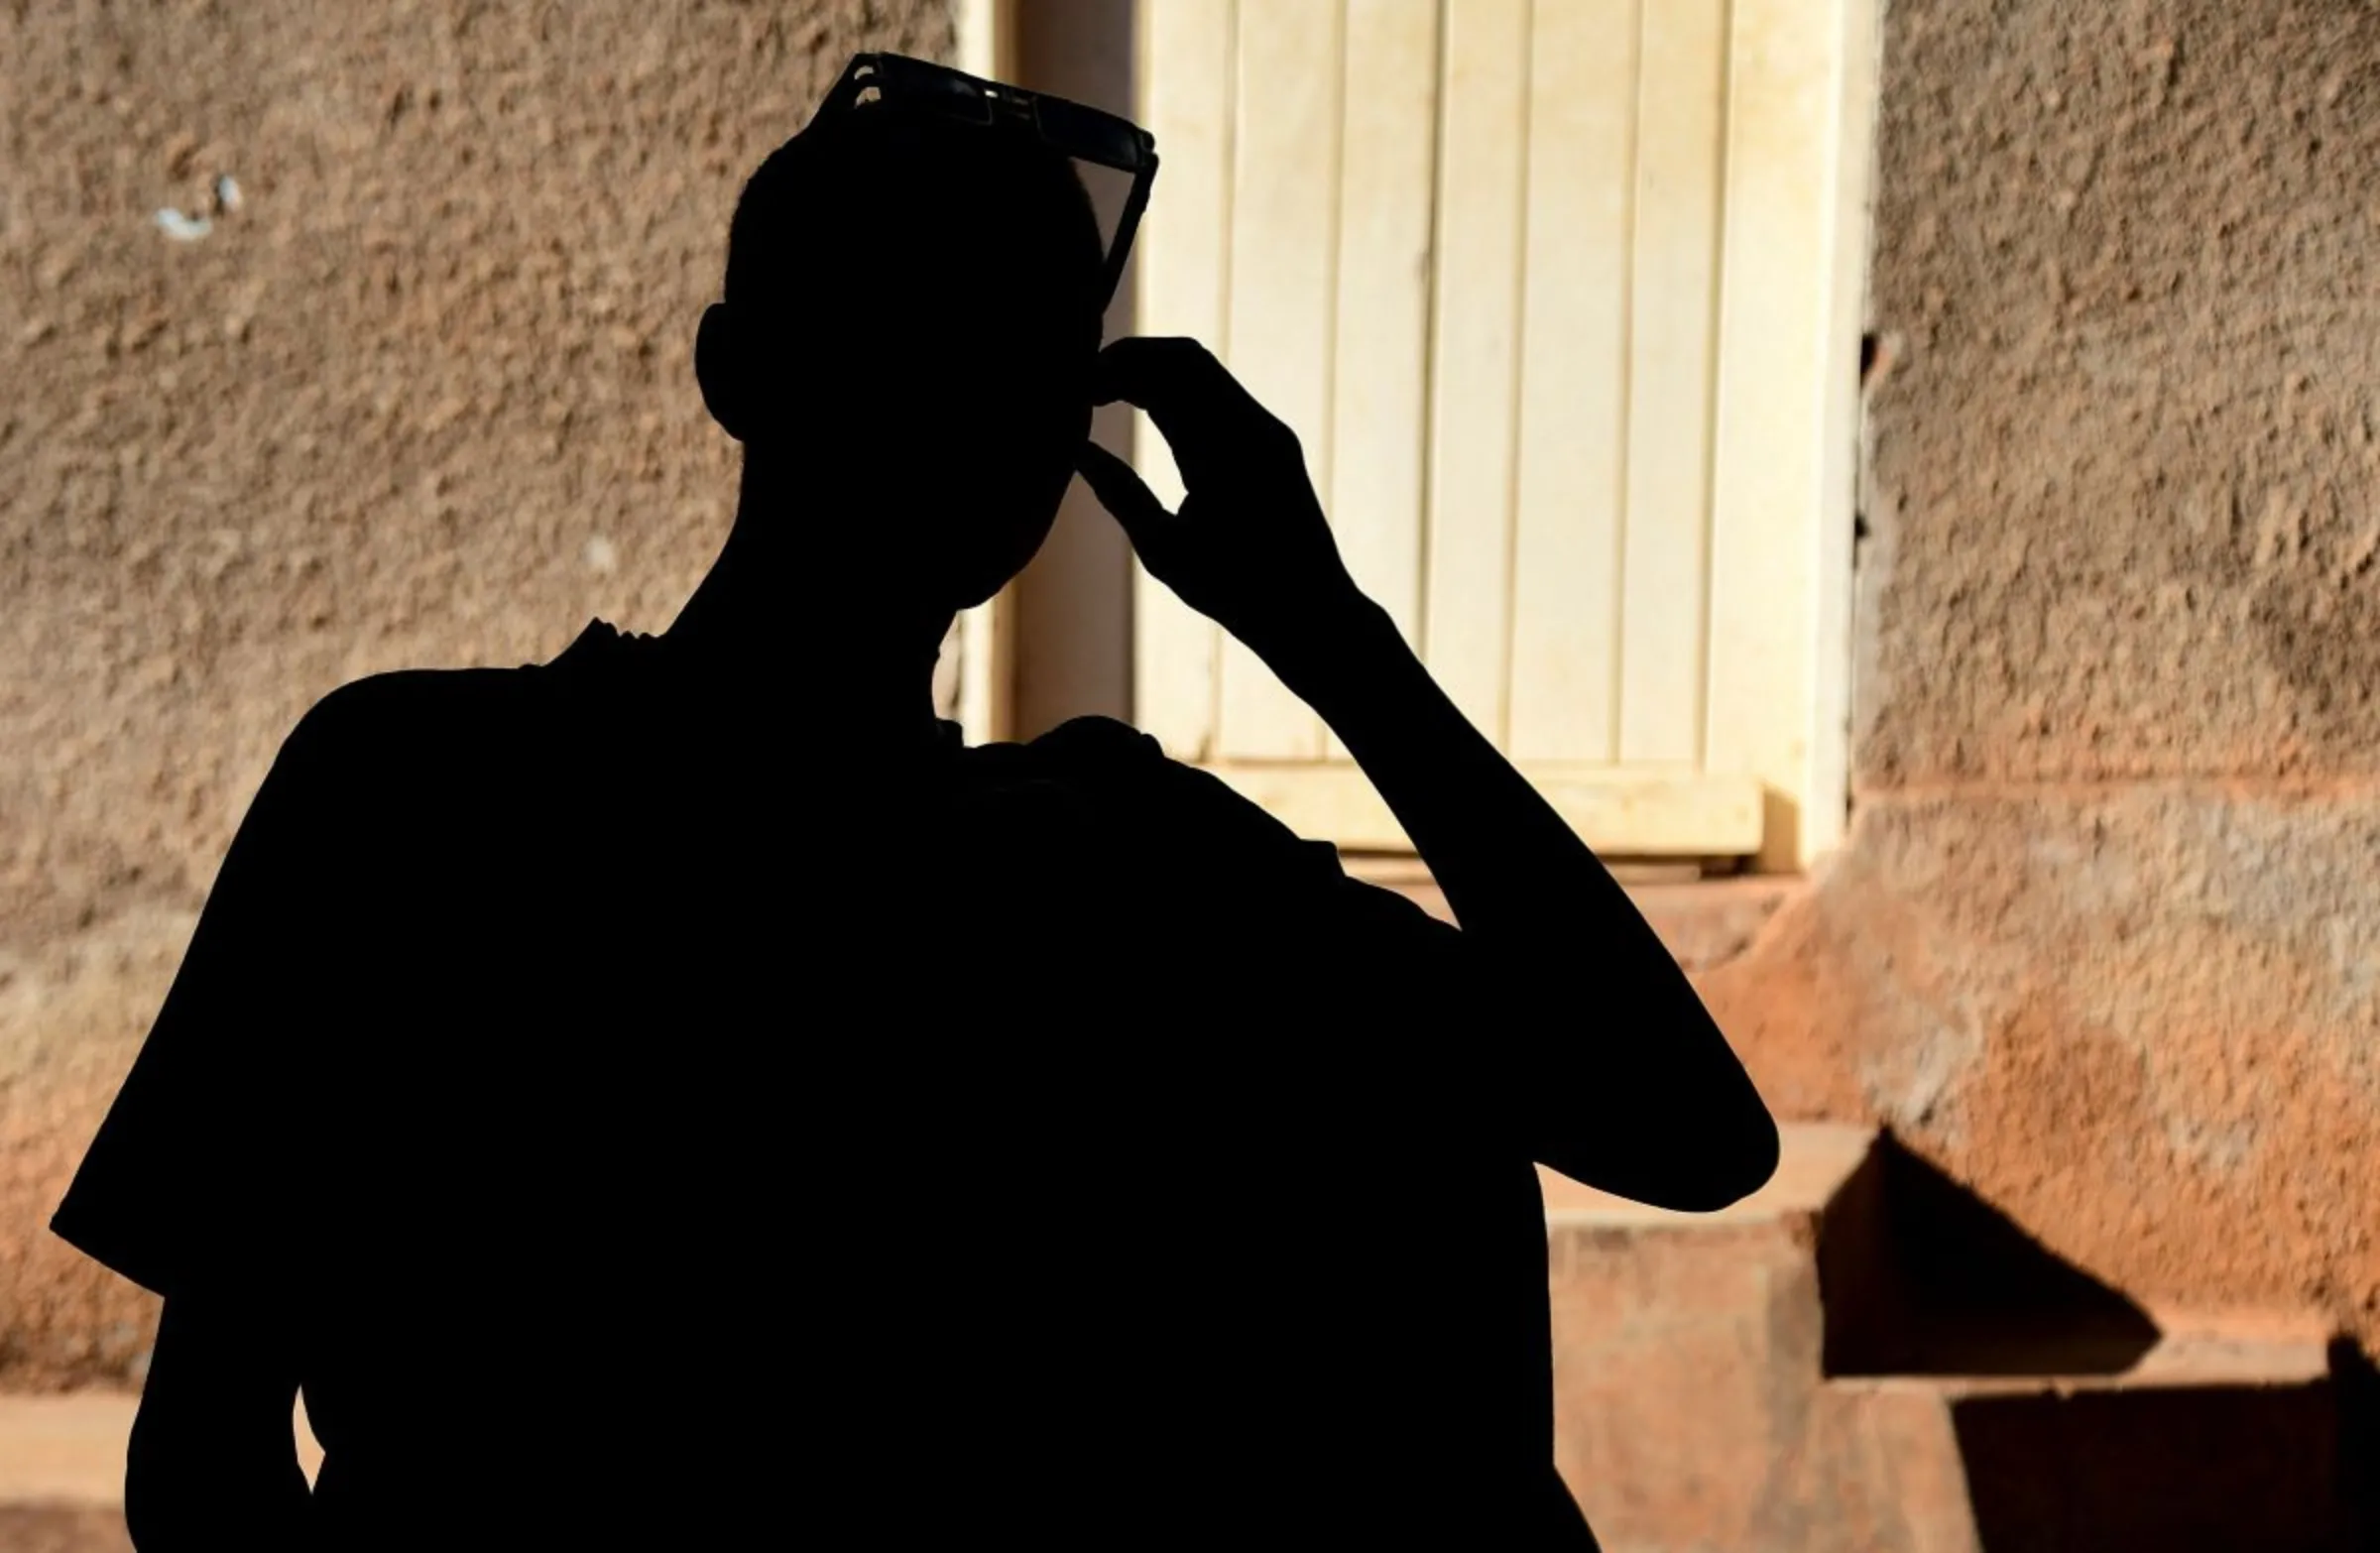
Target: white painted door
1563	300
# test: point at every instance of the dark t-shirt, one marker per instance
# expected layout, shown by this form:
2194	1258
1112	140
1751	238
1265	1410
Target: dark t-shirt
663	1122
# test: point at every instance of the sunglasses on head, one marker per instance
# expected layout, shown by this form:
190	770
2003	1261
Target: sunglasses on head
880	81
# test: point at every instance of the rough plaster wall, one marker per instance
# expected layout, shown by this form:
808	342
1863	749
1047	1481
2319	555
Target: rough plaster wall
424	398
2102	941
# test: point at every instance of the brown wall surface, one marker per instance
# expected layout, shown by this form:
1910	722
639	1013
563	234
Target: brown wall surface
2100	941
423	398
2105	937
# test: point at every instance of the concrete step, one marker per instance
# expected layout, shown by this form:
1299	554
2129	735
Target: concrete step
2223	1435
65	1450
1688	1353
61	1474
1857	1359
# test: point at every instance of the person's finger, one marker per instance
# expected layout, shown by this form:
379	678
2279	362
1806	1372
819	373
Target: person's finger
1167	376
1122	492
1199	408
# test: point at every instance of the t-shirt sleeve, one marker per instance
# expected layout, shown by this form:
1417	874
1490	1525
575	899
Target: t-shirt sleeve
1384	996
1351	928
1358	935
188	1175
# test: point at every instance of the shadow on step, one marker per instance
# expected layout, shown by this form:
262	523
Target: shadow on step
2357	1381
63	1528
2215	1467
1921	1278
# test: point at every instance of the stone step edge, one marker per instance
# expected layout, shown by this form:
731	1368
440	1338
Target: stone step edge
1815	1160
2195	1350
68	1449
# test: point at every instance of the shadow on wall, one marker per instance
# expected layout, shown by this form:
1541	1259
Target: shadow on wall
1939	1282
1924	1280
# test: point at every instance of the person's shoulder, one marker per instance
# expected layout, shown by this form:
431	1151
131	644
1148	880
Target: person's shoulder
1097	746
1110	752
1183	802
405	730
405	702
393	709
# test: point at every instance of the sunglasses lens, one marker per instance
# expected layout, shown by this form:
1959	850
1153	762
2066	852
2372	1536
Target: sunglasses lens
1089	134
956	97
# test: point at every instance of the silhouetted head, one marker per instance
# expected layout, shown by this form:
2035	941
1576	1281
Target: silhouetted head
912	314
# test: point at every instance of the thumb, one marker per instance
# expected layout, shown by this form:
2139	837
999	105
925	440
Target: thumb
1124	494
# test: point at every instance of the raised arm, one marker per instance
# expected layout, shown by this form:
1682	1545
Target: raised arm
1633	1088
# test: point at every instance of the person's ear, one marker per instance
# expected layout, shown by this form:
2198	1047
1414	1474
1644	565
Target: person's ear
720	367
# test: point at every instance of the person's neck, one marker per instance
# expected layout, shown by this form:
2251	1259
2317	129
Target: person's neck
846	658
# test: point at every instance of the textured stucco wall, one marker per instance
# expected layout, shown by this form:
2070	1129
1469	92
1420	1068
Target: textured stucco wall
2101	941
2105	939
424	398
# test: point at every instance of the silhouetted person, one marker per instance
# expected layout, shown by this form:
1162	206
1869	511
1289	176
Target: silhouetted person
677	1094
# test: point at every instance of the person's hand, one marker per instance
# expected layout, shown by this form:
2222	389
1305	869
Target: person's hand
1249	548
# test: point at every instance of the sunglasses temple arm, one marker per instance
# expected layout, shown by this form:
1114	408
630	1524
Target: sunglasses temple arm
848	85
1128	223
